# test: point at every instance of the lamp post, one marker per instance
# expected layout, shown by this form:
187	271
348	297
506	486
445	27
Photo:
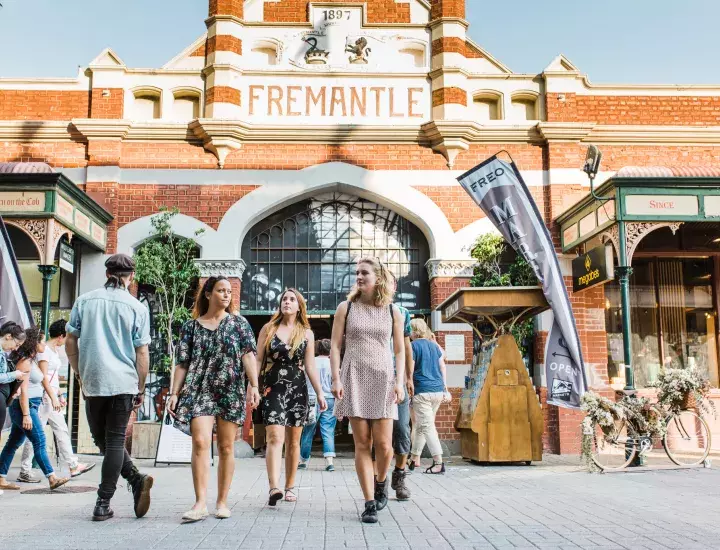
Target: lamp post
623	271
48	272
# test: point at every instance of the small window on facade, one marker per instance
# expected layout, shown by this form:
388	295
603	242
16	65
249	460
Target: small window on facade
146	105
265	55
525	107
487	106
415	56
186	107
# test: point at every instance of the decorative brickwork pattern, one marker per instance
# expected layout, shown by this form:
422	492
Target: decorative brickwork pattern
207	203
107	103
296	11
224	43
222	94
43	105
447	8
226	7
444	96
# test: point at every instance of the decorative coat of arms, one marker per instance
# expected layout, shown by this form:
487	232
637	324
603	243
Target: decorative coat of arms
314	55
359	50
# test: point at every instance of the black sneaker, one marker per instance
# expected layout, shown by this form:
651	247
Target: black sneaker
370	513
140	485
381	494
102	510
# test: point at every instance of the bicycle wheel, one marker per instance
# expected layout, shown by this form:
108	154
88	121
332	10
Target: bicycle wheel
687	441
615	450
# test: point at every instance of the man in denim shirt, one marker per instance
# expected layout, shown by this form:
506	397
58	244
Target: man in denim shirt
107	345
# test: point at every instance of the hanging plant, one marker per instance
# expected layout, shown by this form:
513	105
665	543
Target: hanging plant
684	388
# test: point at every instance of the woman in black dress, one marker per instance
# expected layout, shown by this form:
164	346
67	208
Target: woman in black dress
286	348
215	354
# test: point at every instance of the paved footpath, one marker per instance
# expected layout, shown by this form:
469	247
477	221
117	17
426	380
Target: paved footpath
552	505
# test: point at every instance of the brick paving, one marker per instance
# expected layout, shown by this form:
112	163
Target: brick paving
550	505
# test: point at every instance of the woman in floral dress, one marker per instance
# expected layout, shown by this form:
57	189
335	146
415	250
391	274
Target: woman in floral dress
215	354
286	350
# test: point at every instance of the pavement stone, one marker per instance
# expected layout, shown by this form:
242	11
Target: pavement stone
550	505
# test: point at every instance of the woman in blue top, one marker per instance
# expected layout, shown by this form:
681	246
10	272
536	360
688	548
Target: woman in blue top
430	382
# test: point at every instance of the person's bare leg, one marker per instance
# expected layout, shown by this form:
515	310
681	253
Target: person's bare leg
382	437
275	437
226	432
292	454
363	460
201	428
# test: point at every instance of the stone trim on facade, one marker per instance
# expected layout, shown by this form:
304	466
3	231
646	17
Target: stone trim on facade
450	268
226	268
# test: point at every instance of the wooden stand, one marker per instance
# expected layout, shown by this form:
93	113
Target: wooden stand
507	423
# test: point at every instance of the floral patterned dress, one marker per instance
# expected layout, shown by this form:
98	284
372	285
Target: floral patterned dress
215	382
284	389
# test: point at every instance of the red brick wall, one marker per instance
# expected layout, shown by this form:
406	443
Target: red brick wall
225	7
472	52
447	8
104	153
296	11
442	287
107	107
655	110
43	105
455	203
199	51
440	336
222	94
444	96
207	203
445	418
453	44
56	153
225	43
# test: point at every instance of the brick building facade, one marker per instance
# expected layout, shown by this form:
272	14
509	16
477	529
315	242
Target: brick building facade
285	102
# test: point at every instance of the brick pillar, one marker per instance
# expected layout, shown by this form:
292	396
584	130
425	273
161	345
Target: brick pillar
232	269
222	58
445	278
449	88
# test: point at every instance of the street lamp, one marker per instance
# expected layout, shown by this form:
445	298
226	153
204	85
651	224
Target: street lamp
622	271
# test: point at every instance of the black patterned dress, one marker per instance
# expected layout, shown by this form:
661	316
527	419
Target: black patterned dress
215	382
284	389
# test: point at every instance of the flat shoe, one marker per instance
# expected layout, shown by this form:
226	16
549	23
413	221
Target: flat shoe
191	516
223	513
81	469
7	486
330	468
59	483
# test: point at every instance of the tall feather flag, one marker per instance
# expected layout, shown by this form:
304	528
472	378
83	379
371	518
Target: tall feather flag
499	190
14	304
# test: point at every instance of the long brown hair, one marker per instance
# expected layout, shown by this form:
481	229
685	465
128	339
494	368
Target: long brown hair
384	286
301	322
202	303
28	349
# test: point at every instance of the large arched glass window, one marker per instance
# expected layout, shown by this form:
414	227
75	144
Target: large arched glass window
313	245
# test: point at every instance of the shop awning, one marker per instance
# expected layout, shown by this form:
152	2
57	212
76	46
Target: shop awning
646	198
499	305
34	191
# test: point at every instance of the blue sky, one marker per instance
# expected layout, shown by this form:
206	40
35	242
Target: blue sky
624	41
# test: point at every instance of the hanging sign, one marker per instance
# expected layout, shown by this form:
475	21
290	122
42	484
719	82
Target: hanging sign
67	257
593	268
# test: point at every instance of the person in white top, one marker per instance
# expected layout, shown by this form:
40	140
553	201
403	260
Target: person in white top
51	409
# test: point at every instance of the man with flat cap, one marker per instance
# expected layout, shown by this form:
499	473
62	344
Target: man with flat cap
107	345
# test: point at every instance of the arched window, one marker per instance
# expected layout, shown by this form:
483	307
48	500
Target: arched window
525	106
414	55
264	52
186	104
146	104
313	245
487	105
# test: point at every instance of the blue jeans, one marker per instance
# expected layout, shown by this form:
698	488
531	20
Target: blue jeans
17	437
401	428
327	423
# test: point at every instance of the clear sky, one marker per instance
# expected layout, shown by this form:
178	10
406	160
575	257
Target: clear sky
624	41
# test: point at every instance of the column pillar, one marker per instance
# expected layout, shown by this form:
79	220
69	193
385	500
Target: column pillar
223	53
48	271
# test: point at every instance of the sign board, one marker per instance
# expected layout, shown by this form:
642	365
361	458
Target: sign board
21	201
661	205
593	268
67	257
455	347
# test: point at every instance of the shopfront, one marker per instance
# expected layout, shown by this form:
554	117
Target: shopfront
664	225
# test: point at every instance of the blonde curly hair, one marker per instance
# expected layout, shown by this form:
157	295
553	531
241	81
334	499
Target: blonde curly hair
419	329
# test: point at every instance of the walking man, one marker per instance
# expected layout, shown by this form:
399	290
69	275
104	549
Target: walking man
107	345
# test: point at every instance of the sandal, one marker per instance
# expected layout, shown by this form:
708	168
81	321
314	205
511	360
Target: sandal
274	496
59	482
431	471
290	496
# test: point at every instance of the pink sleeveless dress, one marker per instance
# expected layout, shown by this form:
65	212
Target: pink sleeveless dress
367	371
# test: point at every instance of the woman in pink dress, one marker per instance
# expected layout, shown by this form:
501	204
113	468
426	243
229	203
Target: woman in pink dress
367	388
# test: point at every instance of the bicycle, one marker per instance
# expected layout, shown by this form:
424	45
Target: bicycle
685	436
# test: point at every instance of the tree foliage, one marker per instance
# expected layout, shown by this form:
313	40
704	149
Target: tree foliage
496	267
166	261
